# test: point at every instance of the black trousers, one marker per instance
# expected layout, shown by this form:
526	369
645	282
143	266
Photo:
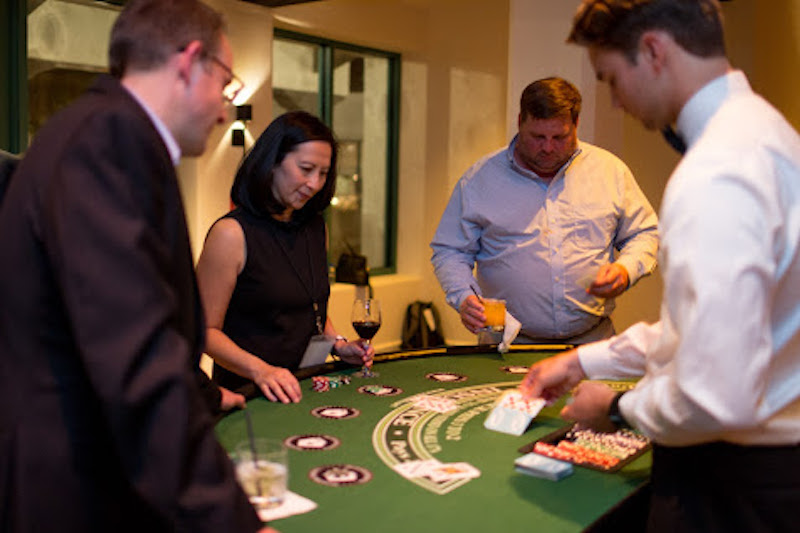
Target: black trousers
725	488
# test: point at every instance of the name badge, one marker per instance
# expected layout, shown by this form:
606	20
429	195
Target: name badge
317	351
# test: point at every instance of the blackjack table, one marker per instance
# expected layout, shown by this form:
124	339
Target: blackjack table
345	442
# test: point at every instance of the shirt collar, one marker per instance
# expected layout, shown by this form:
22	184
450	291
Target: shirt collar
166	135
699	109
529	173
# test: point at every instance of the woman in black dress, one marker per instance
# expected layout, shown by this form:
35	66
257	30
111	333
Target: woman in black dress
263	272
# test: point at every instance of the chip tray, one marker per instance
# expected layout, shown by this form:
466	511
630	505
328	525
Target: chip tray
567	445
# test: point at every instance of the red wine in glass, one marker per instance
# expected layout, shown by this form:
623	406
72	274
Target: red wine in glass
366	319
366	329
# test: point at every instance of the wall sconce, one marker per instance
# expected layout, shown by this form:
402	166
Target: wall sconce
243	114
237	137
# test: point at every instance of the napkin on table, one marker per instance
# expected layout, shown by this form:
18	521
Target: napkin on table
292	504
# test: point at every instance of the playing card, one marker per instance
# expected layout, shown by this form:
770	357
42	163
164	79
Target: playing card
434	403
418	468
514	400
448	471
586	281
537	465
512	414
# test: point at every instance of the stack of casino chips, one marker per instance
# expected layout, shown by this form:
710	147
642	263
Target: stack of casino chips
604	450
325	383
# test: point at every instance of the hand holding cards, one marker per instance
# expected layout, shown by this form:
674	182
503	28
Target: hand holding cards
513	413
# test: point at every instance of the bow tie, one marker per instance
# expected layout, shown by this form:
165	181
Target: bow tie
674	140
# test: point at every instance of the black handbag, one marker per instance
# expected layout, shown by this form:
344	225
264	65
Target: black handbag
352	268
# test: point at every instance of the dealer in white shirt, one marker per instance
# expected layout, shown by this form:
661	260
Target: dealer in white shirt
719	393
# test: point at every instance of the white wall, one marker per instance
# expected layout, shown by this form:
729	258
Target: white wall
452	112
206	181
537	49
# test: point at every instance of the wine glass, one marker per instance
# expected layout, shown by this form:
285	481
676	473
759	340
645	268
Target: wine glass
366	318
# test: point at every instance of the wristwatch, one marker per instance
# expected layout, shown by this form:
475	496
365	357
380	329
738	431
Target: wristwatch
615	415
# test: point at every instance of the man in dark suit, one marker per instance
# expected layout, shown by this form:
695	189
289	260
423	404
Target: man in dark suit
102	423
8	162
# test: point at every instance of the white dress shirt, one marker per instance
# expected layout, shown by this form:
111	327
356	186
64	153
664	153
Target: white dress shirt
723	363
166	135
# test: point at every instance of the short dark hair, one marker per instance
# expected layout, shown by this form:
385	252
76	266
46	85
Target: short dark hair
550	98
696	25
147	32
252	188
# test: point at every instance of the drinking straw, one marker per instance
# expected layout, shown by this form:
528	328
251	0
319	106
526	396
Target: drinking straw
251	438
476	294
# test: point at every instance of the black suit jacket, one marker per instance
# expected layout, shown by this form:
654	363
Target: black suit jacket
8	162
102	425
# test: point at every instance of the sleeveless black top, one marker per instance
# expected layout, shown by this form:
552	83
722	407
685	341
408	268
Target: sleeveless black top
271	312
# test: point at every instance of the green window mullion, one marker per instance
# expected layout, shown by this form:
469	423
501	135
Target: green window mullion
325	100
326	85
13	89
324	104
392	163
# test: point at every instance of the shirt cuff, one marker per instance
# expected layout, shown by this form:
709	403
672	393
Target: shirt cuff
636	269
456	297
594	358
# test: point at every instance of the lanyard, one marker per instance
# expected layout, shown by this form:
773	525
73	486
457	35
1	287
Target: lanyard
313	290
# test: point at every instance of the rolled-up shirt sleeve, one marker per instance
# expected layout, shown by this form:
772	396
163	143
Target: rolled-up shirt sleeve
455	246
619	357
637	232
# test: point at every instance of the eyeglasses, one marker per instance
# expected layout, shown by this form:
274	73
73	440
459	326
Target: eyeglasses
232	89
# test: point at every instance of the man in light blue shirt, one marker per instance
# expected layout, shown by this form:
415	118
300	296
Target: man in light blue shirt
557	227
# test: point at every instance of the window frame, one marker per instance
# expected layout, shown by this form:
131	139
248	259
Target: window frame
325	106
14	90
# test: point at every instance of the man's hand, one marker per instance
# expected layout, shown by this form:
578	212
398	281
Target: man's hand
611	280
553	377
472	313
231	400
589	406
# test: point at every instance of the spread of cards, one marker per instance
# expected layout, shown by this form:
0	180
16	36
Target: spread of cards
436	471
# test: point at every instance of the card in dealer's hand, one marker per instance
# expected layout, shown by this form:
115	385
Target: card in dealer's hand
513	413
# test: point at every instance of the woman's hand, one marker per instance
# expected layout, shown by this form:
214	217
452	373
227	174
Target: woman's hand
355	352
278	384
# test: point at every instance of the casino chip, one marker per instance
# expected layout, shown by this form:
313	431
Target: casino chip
515	369
340	475
450	377
380	390
326	383
312	442
335	411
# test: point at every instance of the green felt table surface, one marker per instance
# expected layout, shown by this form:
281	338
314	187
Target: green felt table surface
499	500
